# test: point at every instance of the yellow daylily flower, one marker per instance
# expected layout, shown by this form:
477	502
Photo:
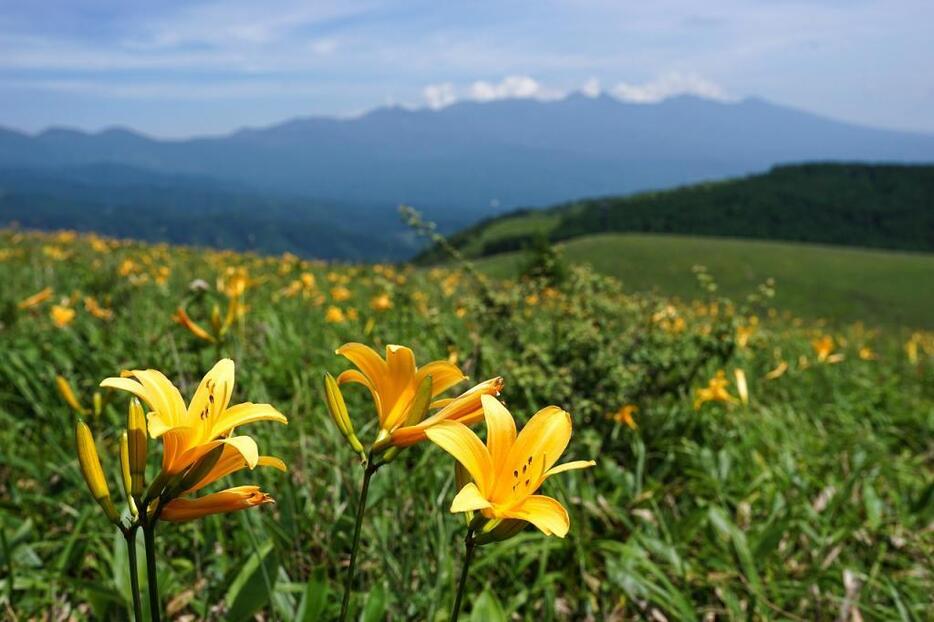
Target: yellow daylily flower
230	500
62	316
625	415
190	433
715	391
824	348
393	381
509	469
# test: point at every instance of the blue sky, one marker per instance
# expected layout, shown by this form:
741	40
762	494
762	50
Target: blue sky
178	68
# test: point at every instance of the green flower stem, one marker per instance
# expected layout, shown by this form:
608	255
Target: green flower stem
130	535
361	506
470	546
149	527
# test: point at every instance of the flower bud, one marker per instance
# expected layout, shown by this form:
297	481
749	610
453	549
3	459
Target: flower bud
199	470
137	446
98	402
125	471
64	389
338	411
92	471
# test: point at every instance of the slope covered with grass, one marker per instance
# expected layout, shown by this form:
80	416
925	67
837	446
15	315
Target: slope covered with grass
838	284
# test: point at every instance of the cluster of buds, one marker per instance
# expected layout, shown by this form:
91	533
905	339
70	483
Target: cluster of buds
133	452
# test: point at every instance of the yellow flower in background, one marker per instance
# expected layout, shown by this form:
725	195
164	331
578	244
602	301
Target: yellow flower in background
334	315
744	333
508	470
715	391
778	372
340	293
866	354
190	433
394	381
823	348
68	395
181	317
381	303
127	268
91	306
36	299
62	316
624	415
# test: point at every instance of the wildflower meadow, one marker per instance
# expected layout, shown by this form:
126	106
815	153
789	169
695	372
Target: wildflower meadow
193	434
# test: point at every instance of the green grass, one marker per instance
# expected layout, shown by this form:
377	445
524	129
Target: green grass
833	283
728	512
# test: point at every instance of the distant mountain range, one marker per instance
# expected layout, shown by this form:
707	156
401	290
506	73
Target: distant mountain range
458	164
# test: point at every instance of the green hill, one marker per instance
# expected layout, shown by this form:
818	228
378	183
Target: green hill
839	284
865	205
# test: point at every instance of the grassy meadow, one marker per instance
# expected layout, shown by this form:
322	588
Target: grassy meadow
817	282
809	497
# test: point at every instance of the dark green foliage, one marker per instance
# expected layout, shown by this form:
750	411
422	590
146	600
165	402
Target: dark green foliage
877	206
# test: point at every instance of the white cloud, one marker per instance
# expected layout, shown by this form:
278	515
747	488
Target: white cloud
508	88
439	95
668	85
591	88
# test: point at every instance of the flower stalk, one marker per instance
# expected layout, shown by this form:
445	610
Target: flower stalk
470	547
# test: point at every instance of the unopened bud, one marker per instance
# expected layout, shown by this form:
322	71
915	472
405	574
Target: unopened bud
92	471
338	411
138	446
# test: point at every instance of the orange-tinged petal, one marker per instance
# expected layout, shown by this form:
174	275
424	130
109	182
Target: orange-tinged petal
469	499
230	500
232	460
444	375
244	445
543	512
459	441
367	361
500	429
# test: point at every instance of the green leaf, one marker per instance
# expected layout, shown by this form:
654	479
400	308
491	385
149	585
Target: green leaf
314	598
253	585
487	608
375	609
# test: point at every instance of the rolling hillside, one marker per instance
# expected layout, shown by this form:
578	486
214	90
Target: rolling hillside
833	283
877	206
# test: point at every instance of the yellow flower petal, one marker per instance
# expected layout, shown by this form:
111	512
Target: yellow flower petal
543	512
569	466
444	375
469	499
212	396
459	441
500	429
539	445
245	413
